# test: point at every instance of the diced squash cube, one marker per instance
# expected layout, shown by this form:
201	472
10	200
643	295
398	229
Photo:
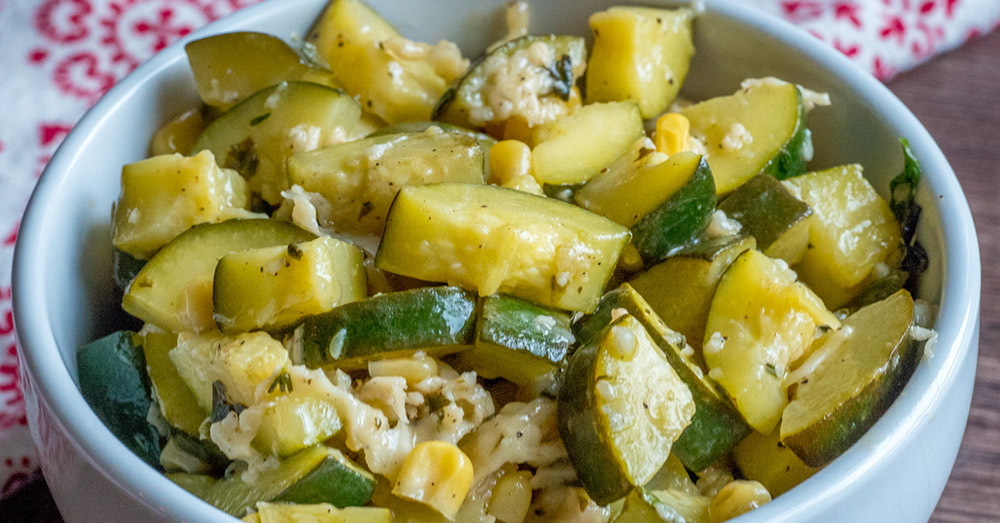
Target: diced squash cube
275	286
396	86
165	195
294	421
575	148
639	54
851	230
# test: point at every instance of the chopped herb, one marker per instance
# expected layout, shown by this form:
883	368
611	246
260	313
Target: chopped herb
366	209
221	406
294	251
259	119
243	158
771	369
903	189
437	401
283	383
562	73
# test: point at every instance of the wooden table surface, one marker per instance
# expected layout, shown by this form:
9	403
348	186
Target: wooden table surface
957	97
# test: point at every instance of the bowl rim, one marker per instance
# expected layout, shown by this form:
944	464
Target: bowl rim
957	322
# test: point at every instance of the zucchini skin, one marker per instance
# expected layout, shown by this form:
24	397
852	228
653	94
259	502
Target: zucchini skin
125	267
439	319
765	209
791	160
113	380
664	231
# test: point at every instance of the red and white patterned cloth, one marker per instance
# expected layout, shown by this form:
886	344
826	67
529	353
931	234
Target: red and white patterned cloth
59	56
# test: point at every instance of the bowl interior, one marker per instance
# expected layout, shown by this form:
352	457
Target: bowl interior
68	219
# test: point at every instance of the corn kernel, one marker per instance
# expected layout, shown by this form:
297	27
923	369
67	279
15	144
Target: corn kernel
414	369
437	474
736	498
672	131
511	497
510	166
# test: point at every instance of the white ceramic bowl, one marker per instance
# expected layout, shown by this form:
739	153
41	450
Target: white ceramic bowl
62	267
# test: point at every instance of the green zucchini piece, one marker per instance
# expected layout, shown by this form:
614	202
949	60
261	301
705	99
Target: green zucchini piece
125	267
112	374
361	178
392	85
680	289
519	341
575	148
177	403
485	141
663	506
273	287
677	220
640	54
257	136
165	195
500	240
180	132
439	320
860	371
769	213
185	453
554	61
230	67
620	408
294	421
761	321
759	130
174	290
716	426
316	475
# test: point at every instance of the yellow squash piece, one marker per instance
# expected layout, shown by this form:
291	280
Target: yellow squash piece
760	320
166	195
851	230
437	474
317	513
394	79
276	286
177	404
765	459
575	148
178	135
639	54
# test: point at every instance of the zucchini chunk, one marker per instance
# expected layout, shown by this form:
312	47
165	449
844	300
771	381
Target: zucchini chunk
112	373
273	287
293	421
691	277
759	130
257	136
760	321
317	512
177	403
318	474
165	195
372	61
666	229
230	67
500	240
852	229
240	362
531	80
716	426
439	320
174	290
767	460
577	147
644	505
861	370
639	54
361	178
620	408
769	213
179	134
519	341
